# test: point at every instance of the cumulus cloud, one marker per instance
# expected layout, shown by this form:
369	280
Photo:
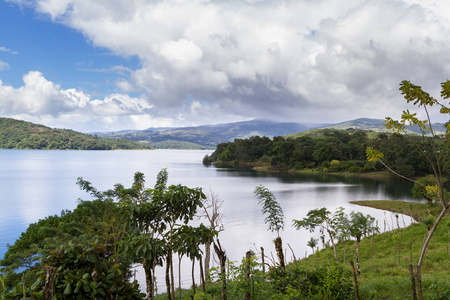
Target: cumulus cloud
42	101
309	61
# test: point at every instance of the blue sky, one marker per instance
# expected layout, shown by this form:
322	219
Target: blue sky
111	65
63	54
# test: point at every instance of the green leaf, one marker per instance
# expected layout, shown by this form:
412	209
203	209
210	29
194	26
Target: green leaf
373	154
68	289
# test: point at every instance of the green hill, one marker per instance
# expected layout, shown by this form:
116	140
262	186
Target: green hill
15	134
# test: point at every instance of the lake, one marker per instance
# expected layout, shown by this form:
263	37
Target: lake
38	183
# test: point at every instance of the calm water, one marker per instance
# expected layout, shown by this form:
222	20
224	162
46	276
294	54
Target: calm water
38	183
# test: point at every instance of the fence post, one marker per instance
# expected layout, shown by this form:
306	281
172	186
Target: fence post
355	280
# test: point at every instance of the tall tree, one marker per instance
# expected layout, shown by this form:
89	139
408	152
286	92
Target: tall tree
432	155
360	226
274	217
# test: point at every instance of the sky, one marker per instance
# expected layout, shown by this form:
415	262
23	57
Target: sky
108	65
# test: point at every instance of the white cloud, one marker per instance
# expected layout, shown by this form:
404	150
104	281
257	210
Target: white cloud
41	99
3	65
288	60
4	49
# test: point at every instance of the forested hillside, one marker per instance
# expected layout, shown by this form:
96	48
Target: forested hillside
15	134
331	150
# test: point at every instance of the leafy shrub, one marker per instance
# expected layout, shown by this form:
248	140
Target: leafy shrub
321	283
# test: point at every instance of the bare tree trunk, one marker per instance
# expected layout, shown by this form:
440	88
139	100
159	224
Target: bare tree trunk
413	282
355	280
171	275
293	254
419	283
222	262
425	247
202	275
48	289
169	296
279	249
334	246
179	277
248	256
207	258
193	275
148	280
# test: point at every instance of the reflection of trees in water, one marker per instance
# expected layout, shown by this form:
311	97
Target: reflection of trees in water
393	188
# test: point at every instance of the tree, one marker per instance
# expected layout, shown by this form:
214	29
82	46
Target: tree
187	240
312	243
274	217
322	218
419	190
360	226
73	244
436	192
154	215
211	211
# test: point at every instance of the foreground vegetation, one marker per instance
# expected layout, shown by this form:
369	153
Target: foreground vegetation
384	259
92	240
15	134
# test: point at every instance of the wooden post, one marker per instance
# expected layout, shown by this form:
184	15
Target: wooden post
279	249
262	260
419	283
413	282
248	256
355	280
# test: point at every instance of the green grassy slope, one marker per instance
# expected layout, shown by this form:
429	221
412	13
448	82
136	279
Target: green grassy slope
15	134
386	275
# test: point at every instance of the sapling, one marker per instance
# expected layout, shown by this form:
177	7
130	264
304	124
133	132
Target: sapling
274	218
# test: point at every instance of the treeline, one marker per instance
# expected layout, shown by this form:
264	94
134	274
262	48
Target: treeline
15	134
333	151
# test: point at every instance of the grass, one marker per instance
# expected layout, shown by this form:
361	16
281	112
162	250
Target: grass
416	210
385	275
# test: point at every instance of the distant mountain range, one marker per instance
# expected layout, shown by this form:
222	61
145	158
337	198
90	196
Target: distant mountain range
25	135
206	136
209	136
377	125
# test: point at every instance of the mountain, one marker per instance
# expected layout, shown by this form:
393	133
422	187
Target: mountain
15	134
378	125
207	136
374	125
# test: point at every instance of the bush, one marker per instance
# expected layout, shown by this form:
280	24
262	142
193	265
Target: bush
321	283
